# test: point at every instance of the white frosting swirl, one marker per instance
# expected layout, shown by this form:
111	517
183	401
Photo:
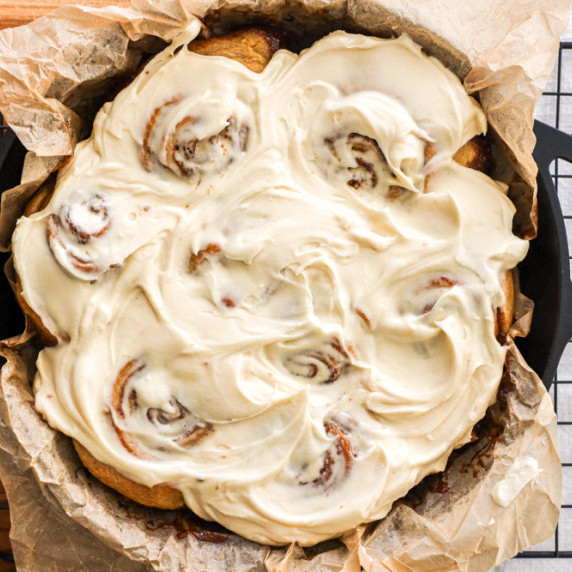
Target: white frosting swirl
274	302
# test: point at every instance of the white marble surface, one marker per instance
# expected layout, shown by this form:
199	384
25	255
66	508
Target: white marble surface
546	112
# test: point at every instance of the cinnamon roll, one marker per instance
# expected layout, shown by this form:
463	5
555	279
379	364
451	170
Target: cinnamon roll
80	222
282	296
189	136
184	150
322	364
184	428
337	460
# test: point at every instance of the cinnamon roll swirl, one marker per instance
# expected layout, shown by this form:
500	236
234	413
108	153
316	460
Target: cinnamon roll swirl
282	295
337	460
185	152
322	364
175	420
79	223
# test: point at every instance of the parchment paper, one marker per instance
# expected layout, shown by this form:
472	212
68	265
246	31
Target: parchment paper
54	74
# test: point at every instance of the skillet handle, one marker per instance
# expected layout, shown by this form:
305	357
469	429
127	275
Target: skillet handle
553	144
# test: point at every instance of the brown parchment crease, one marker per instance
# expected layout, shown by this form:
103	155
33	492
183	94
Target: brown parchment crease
55	73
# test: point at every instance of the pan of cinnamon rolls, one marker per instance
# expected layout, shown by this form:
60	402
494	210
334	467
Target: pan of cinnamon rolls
274	287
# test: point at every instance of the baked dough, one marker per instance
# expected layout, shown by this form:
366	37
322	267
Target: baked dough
252	47
174	149
158	496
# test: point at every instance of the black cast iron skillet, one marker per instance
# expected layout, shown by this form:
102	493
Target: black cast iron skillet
544	274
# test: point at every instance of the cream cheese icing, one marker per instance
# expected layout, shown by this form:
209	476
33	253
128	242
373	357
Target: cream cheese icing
519	474
266	292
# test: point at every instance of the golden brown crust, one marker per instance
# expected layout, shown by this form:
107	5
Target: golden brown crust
252	47
475	154
504	314
159	496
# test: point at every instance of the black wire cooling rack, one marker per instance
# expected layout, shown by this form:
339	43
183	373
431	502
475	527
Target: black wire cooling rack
556	110
556	104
